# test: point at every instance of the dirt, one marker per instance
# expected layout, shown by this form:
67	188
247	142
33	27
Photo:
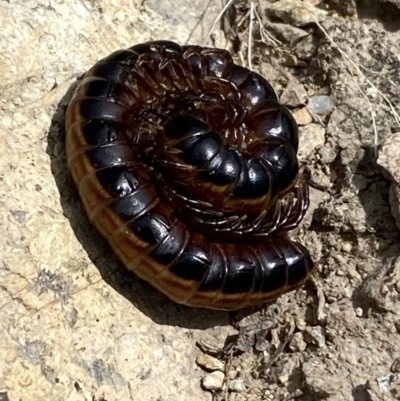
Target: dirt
75	326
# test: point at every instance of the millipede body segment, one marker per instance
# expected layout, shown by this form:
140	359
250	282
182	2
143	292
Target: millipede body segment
186	163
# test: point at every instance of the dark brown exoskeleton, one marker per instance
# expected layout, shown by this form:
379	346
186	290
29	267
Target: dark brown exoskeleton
186	163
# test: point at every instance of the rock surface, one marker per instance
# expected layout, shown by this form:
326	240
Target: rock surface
75	326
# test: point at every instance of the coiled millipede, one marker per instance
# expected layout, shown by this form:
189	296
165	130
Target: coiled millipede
186	163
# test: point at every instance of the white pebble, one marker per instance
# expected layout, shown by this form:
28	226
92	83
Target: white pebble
321	104
214	381
236	386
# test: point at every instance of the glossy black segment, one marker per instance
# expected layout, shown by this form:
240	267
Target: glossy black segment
240	275
193	264
171	247
151	228
124	184
118	181
102	109
255	89
300	263
169	46
275	274
218	65
132	205
282	157
99	87
111	71
200	151
254	180
193	63
275	120
224	168
258	275
216	275
252	86
99	132
122	57
110	156
183	125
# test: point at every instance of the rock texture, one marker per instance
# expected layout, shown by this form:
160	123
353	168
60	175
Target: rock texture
75	326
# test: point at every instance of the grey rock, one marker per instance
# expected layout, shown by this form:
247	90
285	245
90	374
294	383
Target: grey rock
287	33
306	48
296	14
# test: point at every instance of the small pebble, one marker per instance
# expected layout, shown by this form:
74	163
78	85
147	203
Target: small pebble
320	104
315	336
385	381
237	386
302	116
384	289
294	95
210	363
347	247
214	381
301	323
353	273
359	312
297	343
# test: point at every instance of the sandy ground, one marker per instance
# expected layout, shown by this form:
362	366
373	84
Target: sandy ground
75	326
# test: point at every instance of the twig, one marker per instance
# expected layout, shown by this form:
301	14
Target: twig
250	45
219	16
198	23
265	35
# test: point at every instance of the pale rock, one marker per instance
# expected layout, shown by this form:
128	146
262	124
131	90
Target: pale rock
294	95
214	381
210	363
320	180
311	137
237	386
297	343
315	335
302	116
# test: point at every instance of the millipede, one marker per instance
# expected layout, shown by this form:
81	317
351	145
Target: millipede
187	164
